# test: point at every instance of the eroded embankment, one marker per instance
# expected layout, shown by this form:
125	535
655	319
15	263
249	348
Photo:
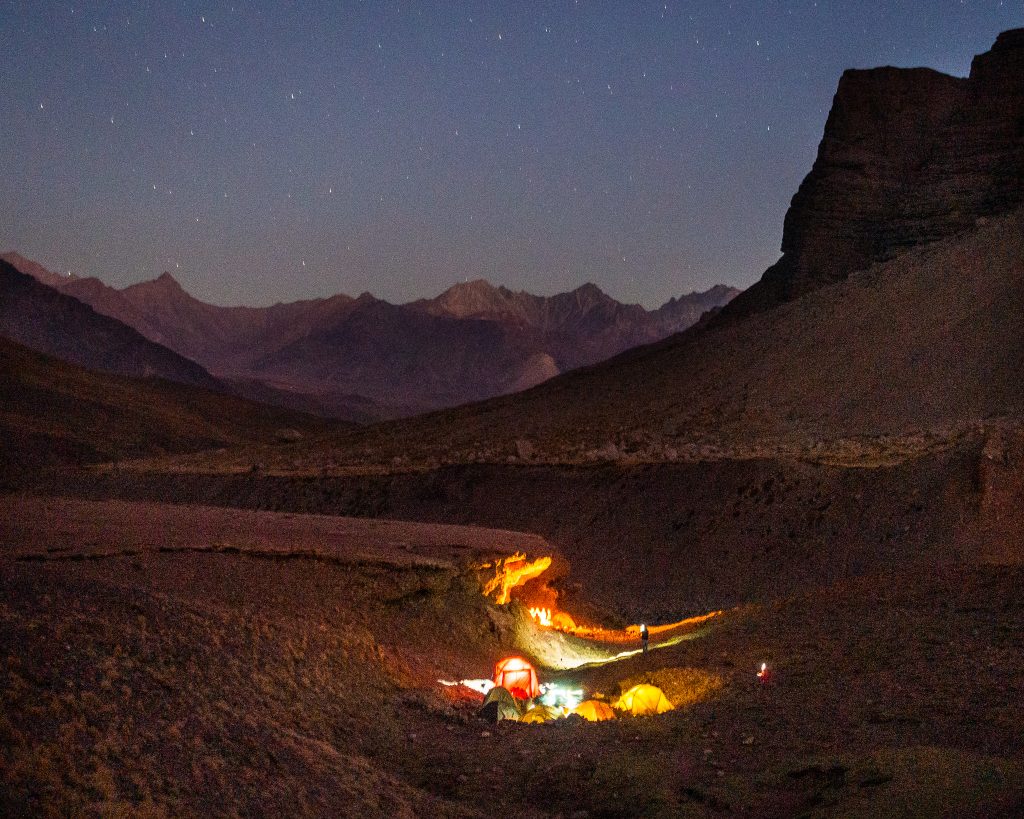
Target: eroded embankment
654	541
186	681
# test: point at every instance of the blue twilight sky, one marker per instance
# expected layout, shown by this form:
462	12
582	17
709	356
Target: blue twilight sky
266	151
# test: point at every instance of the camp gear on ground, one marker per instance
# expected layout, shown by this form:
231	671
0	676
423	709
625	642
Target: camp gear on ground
541	713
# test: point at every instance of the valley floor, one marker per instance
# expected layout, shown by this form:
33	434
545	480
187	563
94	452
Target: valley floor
176	660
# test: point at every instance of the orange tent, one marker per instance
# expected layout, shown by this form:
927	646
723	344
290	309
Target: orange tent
518	676
594	710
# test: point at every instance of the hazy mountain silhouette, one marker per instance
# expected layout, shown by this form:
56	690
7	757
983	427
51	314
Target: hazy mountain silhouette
472	342
52	322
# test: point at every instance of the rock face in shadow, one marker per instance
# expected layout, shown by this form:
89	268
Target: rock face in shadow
56	413
51	322
648	542
908	156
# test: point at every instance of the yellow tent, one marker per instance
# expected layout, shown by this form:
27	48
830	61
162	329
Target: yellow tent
644	699
541	713
594	711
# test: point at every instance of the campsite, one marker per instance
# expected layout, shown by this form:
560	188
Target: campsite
560	410
278	661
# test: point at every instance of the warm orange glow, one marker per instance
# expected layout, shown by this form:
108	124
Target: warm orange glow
510	572
594	711
643	700
552	619
541	616
632	633
518	676
562	621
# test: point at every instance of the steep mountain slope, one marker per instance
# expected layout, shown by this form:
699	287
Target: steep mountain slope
53	413
908	156
872	421
44	319
37	271
223	338
928	340
389	353
472	342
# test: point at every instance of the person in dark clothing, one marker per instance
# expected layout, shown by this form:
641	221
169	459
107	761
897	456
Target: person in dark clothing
644	636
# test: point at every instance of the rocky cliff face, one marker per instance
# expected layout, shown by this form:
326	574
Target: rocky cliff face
908	156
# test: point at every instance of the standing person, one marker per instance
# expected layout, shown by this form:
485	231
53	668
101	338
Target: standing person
644	636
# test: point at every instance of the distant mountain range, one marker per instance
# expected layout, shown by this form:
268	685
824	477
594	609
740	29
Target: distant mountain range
474	341
896	306
44	319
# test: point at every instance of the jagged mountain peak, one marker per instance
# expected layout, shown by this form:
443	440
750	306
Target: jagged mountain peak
472	341
163	287
166	282
589	291
469	298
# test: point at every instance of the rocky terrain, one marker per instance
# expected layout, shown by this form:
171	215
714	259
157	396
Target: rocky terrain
868	423
909	156
164	660
471	342
838	465
55	415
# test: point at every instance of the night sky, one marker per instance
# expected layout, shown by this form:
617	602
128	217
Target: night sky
267	151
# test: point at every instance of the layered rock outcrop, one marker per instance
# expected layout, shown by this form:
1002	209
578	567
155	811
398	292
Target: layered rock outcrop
908	156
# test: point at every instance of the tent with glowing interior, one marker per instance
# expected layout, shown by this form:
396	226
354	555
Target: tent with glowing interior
594	711
499	704
518	676
541	713
642	700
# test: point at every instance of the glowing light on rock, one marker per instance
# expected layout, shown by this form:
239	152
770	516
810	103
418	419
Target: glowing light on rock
509	572
480	686
541	616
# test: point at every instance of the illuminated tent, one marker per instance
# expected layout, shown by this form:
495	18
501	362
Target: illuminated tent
541	713
644	699
499	704
594	711
518	676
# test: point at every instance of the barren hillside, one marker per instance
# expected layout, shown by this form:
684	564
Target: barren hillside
174	660
925	343
56	414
